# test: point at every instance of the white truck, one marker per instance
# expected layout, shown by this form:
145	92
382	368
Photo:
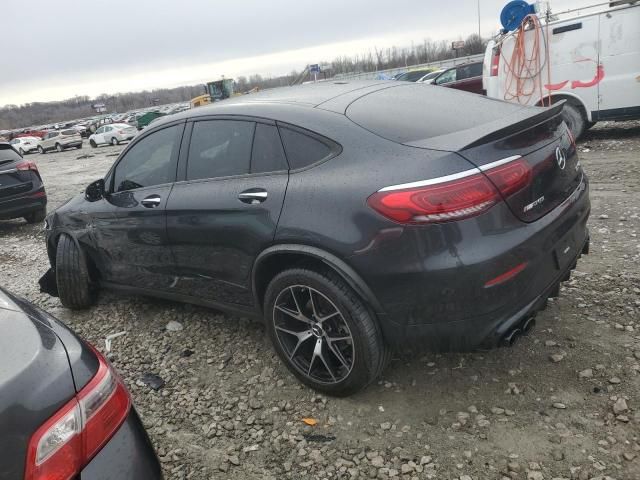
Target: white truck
589	57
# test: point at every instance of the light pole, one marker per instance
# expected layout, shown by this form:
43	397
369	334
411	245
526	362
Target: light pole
479	19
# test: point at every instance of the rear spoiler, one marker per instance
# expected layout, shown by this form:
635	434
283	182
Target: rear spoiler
522	119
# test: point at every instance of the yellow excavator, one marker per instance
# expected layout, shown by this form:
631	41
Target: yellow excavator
214	91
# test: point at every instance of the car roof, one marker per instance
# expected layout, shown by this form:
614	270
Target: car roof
334	96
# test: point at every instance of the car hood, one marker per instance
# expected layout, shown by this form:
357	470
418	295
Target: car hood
35	380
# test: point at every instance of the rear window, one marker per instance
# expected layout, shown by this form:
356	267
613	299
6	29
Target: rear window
411	112
304	149
8	154
69	132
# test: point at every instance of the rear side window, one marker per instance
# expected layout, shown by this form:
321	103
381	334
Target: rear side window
268	154
303	149
469	71
219	148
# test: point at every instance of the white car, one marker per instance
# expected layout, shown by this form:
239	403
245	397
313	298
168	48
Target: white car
112	134
25	144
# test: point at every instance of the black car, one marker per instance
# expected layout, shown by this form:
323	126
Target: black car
22	192
355	218
64	412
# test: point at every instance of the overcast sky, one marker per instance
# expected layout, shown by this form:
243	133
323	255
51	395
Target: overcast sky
58	49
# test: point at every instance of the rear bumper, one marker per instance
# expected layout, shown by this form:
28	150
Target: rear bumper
23	205
129	455
485	331
441	298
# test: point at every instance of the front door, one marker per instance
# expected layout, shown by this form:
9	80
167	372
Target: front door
225	210
134	239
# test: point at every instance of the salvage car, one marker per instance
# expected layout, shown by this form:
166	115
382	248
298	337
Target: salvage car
112	134
22	193
64	411
59	141
25	144
348	234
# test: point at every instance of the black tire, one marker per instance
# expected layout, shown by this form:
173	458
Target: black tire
37	216
41	150
72	275
79	147
588	125
59	148
575	118
93	143
21	152
114	141
369	354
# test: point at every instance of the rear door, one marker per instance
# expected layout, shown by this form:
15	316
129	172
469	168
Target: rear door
225	210
619	90
133	227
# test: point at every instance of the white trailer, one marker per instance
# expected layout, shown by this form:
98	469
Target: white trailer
589	57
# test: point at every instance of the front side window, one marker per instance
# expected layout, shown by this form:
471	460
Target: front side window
219	148
149	162
446	77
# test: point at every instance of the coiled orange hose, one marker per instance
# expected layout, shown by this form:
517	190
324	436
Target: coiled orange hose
524	69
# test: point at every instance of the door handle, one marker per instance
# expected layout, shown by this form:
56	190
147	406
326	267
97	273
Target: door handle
152	201
253	196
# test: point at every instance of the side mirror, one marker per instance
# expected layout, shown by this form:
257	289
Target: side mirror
95	191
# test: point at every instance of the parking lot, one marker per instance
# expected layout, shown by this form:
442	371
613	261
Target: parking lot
564	402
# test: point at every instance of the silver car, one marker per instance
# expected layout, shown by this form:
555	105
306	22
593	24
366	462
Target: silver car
59	140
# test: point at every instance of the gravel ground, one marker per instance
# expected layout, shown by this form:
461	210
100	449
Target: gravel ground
563	403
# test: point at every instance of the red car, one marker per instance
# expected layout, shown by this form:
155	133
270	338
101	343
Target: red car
467	77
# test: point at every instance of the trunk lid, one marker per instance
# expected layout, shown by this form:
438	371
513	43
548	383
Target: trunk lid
548	148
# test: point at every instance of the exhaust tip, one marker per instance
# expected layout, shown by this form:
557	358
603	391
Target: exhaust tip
512	337
528	325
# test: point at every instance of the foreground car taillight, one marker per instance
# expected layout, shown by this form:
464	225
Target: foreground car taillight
66	442
27	165
454	197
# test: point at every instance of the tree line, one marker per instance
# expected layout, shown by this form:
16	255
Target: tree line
37	113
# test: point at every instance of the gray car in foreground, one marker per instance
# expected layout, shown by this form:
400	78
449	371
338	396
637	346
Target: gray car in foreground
64	412
354	218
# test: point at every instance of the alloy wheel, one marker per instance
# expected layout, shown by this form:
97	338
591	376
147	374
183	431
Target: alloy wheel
313	334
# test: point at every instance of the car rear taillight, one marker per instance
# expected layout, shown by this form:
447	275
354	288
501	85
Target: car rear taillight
27	165
453	197
495	62
65	443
